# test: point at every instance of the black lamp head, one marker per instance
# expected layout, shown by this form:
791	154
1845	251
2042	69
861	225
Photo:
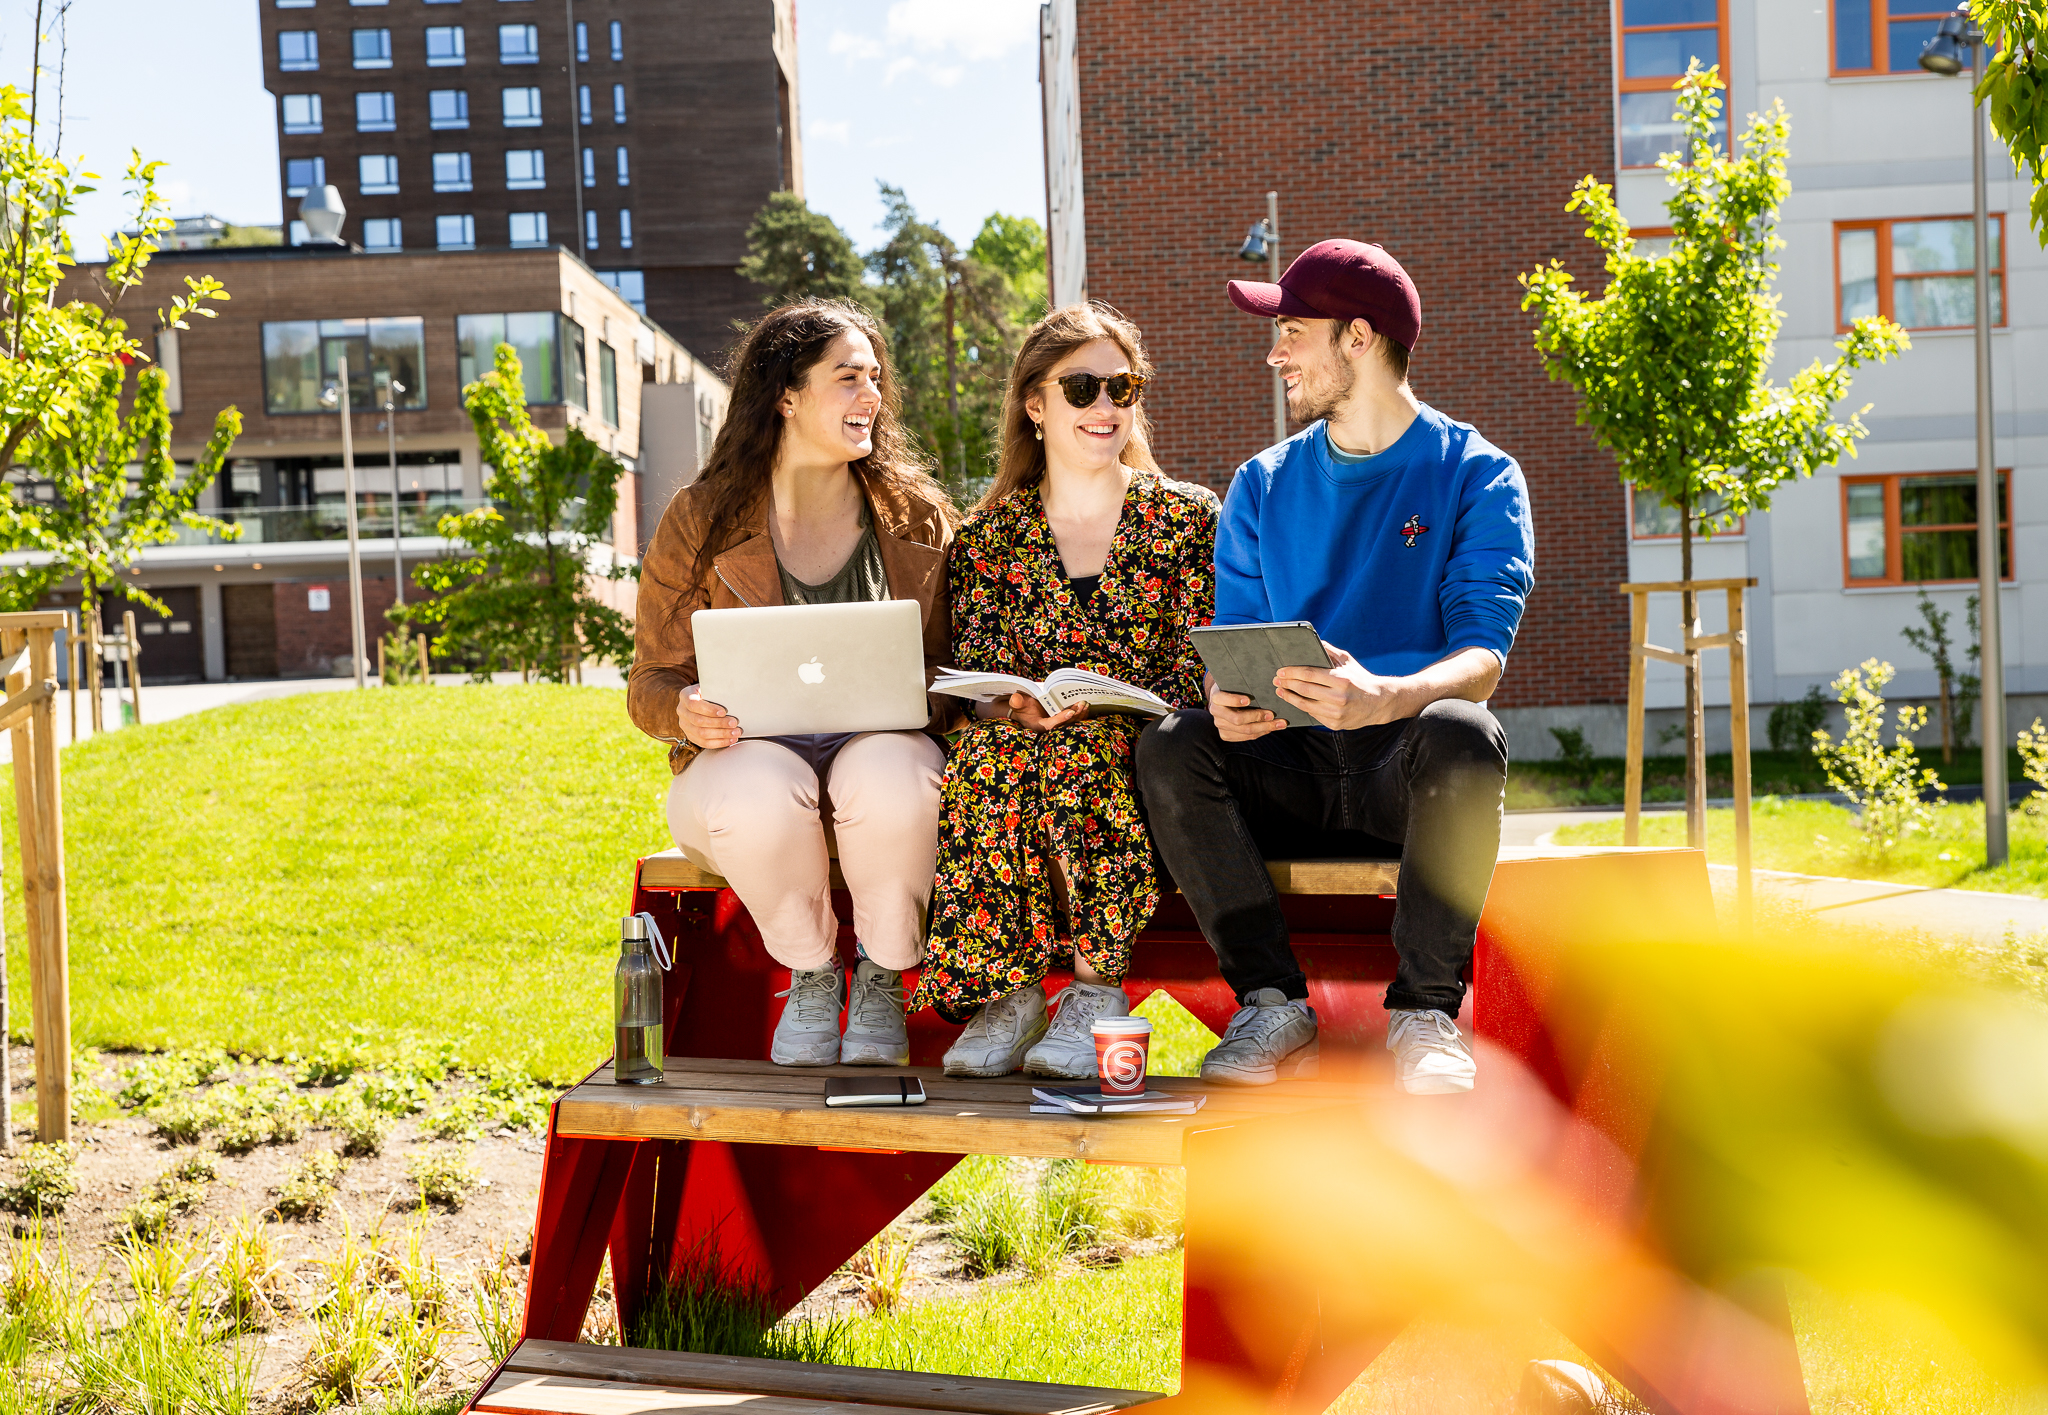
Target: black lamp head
1948	53
1254	247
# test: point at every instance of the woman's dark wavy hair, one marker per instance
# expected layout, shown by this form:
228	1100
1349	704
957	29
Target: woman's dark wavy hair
776	355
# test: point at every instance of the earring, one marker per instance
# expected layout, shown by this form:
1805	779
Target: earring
1038	431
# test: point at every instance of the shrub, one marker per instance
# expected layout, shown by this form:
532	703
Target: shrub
2034	765
45	1179
453	1123
178	1189
1793	724
308	1186
154	1080
239	1134
362	1131
444	1176
1883	782
1573	752
181	1121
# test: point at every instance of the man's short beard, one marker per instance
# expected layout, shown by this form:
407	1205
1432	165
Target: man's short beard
1326	402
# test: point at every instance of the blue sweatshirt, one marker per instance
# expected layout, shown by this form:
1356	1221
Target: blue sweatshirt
1399	558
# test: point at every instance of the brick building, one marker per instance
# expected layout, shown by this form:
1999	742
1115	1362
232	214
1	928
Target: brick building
1164	138
644	134
275	601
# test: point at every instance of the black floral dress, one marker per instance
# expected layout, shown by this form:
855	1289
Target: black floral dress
1017	802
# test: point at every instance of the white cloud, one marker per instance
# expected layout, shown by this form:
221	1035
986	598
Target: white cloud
840	132
854	46
985	29
898	67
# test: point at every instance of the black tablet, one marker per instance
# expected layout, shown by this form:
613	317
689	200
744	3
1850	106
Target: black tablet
874	1090
1243	658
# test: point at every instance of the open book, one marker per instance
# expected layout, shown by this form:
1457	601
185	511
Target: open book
1060	691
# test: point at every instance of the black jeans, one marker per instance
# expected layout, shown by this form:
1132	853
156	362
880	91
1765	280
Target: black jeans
1428	789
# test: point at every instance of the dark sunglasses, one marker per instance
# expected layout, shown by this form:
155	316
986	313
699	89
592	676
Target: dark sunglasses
1082	388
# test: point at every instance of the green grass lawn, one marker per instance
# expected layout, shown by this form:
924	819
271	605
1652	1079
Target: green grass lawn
1535	785
420	866
1813	837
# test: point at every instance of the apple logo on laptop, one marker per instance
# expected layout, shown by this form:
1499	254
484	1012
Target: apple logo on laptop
812	672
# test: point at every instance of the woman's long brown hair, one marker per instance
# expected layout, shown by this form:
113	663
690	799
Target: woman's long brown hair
1045	344
777	355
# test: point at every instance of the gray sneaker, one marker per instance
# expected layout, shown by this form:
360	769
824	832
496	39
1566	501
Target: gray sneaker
875	1034
1068	1050
1431	1057
1269	1038
808	1034
997	1037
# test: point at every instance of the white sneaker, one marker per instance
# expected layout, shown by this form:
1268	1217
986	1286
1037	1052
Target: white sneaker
1268	1038
1068	1050
807	1033
996	1038
875	1032
1430	1055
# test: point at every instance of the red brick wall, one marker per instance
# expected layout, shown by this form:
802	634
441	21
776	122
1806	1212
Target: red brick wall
1454	150
310	643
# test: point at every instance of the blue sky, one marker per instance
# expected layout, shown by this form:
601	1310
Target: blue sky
937	96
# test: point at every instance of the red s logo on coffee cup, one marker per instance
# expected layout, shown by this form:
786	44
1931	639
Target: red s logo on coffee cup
1122	1065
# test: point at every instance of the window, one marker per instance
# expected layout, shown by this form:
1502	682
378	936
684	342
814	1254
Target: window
1653	518
302	357
372	48
590	230
608	385
529	228
304	174
448	108
583	105
518	44
625	175
522	108
451	172
294	4
1920	273
296	234
376	112
298	50
582	42
631	285
377	174
618	40
575	368
455	233
1882	36
536	338
525	169
626	229
589	166
301	112
380	233
1907	530
1658	39
369	2
618	103
444	46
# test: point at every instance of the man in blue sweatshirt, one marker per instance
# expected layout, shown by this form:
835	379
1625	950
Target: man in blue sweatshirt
1405	538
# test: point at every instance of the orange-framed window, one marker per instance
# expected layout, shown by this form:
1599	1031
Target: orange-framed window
1881	36
1658	39
1918	528
1651	517
1921	273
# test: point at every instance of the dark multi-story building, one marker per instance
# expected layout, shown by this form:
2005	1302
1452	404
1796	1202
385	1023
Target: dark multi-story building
642	134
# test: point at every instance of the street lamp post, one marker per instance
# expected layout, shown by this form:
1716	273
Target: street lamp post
1957	45
336	396
392	389
1262	242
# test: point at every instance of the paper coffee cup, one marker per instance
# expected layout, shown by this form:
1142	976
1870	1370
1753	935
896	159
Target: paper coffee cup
1122	1045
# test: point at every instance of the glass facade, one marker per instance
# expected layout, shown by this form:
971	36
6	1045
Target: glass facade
302	357
608	385
536	338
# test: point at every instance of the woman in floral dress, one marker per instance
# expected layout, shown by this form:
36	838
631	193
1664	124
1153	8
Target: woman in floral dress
1082	555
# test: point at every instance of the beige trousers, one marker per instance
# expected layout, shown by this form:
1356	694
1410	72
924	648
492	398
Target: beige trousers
755	813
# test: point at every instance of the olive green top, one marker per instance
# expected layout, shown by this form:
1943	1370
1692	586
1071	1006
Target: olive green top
858	581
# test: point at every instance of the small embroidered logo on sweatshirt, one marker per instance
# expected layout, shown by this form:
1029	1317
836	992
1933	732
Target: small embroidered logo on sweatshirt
1413	529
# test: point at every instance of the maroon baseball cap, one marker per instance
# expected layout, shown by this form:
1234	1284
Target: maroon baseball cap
1340	280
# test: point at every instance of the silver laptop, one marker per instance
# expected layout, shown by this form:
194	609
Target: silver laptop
797	668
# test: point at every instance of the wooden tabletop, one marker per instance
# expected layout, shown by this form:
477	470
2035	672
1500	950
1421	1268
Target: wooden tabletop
761	1103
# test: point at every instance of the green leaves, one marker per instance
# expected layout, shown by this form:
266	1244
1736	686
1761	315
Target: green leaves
1672	359
1883	782
2014	89
518	595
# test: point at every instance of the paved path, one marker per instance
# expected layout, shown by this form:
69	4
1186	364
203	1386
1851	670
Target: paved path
1973	913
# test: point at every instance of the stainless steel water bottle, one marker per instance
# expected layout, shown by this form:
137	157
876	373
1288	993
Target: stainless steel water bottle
636	1002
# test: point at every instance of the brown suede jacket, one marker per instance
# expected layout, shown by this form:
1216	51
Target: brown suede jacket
913	534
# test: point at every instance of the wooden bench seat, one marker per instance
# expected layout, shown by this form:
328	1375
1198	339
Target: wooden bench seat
671	870
758	1102
565	1378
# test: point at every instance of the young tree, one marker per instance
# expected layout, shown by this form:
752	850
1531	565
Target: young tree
1672	360
1015	246
1958	690
2014	87
519	596
797	253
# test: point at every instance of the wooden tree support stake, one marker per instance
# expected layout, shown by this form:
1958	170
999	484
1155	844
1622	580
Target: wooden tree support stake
29	713
1641	651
